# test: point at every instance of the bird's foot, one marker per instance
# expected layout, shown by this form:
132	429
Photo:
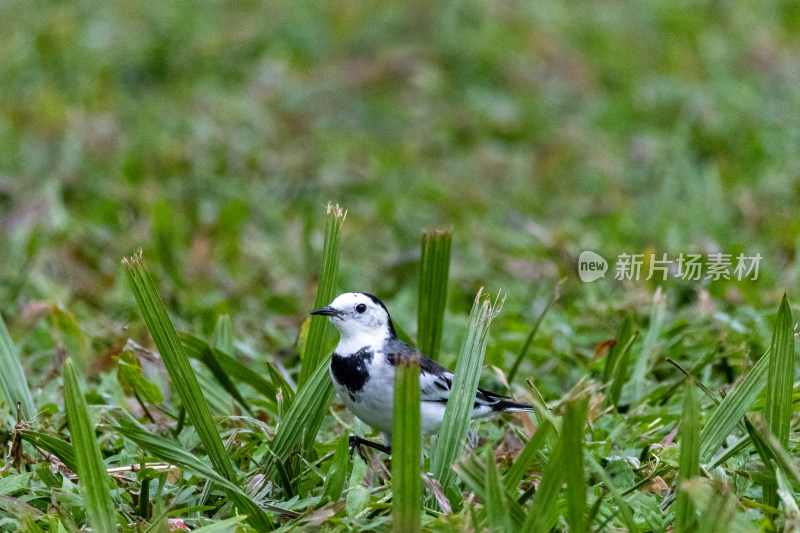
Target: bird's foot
356	442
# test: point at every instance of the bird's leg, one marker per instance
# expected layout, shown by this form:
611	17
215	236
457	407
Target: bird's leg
356	442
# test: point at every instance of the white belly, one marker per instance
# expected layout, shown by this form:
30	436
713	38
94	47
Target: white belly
374	403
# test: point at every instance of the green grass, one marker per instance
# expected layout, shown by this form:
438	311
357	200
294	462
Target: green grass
452	436
406	448
319	332
434	268
214	139
185	383
689	461
779	409
13	385
89	466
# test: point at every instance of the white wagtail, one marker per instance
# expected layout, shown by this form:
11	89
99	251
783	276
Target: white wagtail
362	369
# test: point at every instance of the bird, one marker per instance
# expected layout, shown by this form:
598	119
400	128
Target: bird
362	371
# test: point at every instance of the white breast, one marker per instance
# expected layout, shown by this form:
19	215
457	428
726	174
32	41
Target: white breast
374	403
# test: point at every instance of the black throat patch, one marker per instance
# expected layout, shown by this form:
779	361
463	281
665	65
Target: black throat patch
351	371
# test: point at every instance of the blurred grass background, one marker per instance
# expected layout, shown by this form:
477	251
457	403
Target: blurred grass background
213	135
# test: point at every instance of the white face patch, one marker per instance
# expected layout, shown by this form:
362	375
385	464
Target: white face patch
361	321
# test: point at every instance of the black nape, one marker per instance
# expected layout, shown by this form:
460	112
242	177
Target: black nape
392	332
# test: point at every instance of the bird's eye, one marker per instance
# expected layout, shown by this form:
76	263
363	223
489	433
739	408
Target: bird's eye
361	308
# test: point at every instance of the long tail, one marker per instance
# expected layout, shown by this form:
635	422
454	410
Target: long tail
487	402
511	407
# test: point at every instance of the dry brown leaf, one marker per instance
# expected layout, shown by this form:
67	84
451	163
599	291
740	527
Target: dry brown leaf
602	349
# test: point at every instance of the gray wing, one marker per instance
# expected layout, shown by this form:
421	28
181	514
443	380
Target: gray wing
435	381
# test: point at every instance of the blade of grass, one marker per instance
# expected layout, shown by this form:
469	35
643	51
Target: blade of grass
334	480
532	447
223	526
573	437
543	415
406	448
196	349
434	267
620	374
787	497
775	451
617	361
761	447
711	396
301	423
563	467
183	377
624	334
17	507
223	341
458	411
778	414
28	524
732	408
177	364
529	339
650	343
321	330
689	460
718	507
144	497
717	399
171	451
735	449
61	449
13	384
92	476
472	471
623	507
542	512
496	503
357	494
281	383
221	377
223	334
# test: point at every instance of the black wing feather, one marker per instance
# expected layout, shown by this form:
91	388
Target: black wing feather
436	381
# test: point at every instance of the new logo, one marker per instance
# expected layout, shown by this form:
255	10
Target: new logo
591	266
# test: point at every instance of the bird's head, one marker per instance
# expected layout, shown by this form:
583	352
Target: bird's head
359	315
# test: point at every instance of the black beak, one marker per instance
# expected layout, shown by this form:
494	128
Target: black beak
326	311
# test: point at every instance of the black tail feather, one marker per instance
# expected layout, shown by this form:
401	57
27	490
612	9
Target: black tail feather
504	405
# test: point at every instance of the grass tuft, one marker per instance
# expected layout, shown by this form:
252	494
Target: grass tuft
406	448
780	377
300	424
458	412
434	267
573	438
13	385
565	465
92	477
321	330
183	378
733	408
618	359
689	461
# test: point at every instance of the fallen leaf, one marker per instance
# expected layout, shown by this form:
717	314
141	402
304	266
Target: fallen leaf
602	349
435	487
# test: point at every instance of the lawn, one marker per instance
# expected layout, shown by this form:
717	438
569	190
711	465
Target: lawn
476	147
